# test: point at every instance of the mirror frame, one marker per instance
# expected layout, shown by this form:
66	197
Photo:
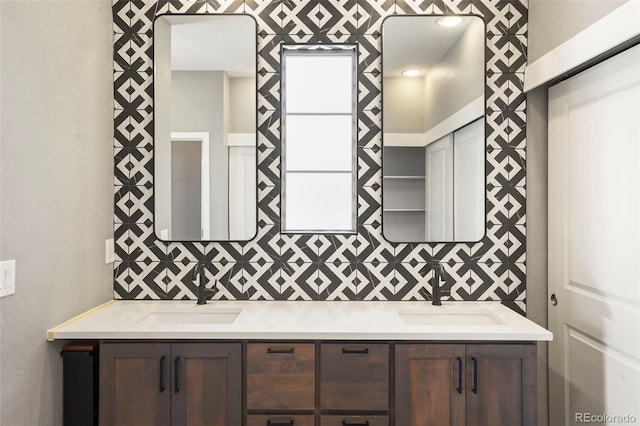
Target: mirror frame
153	118
484	117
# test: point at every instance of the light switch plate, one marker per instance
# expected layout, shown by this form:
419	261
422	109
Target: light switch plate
109	251
7	278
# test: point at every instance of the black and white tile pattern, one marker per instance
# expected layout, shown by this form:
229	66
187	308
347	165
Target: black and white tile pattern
274	266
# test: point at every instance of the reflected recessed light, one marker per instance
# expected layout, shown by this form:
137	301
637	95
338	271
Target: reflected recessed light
450	21
411	73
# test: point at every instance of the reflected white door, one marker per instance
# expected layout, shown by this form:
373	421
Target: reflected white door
468	182
242	192
594	243
439	189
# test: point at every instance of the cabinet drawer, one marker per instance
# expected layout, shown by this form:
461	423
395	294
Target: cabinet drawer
354	421
281	376
280	420
354	377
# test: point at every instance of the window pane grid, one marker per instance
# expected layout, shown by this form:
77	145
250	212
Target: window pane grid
307	191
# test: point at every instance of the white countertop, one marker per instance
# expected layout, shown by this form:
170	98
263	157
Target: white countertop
453	321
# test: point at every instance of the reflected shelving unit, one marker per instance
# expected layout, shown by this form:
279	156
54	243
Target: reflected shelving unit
404	193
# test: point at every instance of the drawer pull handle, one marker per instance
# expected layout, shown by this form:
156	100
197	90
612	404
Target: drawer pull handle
475	375
356	423
459	388
176	385
279	422
161	374
355	351
280	351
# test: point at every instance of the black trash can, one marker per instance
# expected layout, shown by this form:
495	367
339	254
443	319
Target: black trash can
80	384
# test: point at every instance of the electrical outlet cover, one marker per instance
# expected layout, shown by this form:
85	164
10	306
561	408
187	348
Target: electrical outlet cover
7	278
109	251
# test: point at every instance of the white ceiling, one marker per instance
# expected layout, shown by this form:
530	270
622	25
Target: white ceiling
416	42
213	43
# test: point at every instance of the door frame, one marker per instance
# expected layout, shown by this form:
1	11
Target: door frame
203	138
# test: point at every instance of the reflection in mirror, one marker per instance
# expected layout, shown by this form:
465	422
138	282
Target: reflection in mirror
433	121
205	127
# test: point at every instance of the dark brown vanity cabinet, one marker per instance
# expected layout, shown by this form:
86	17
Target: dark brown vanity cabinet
310	384
472	385
177	384
317	384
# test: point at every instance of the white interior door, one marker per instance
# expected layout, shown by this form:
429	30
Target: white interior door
439	189
594	243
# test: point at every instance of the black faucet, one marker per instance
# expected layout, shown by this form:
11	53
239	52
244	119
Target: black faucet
203	292
438	274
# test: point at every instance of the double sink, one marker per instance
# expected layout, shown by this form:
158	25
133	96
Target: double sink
447	314
295	320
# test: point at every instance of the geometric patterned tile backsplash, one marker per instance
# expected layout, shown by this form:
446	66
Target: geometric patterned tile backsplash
274	266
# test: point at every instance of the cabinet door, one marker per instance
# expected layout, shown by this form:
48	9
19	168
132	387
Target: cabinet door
501	385
354	377
206	384
281	376
430	385
134	384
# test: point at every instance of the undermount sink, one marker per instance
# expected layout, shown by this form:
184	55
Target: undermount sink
449	318
191	317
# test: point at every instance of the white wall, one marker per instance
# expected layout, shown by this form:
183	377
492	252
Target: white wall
552	22
403	105
418	104
56	189
242	105
457	79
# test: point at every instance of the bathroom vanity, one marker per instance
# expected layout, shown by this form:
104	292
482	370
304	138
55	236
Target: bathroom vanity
307	364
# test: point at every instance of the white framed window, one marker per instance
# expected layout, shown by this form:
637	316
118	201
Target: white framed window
319	134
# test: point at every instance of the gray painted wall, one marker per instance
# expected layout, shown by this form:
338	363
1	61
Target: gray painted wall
552	22
56	189
199	103
537	232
